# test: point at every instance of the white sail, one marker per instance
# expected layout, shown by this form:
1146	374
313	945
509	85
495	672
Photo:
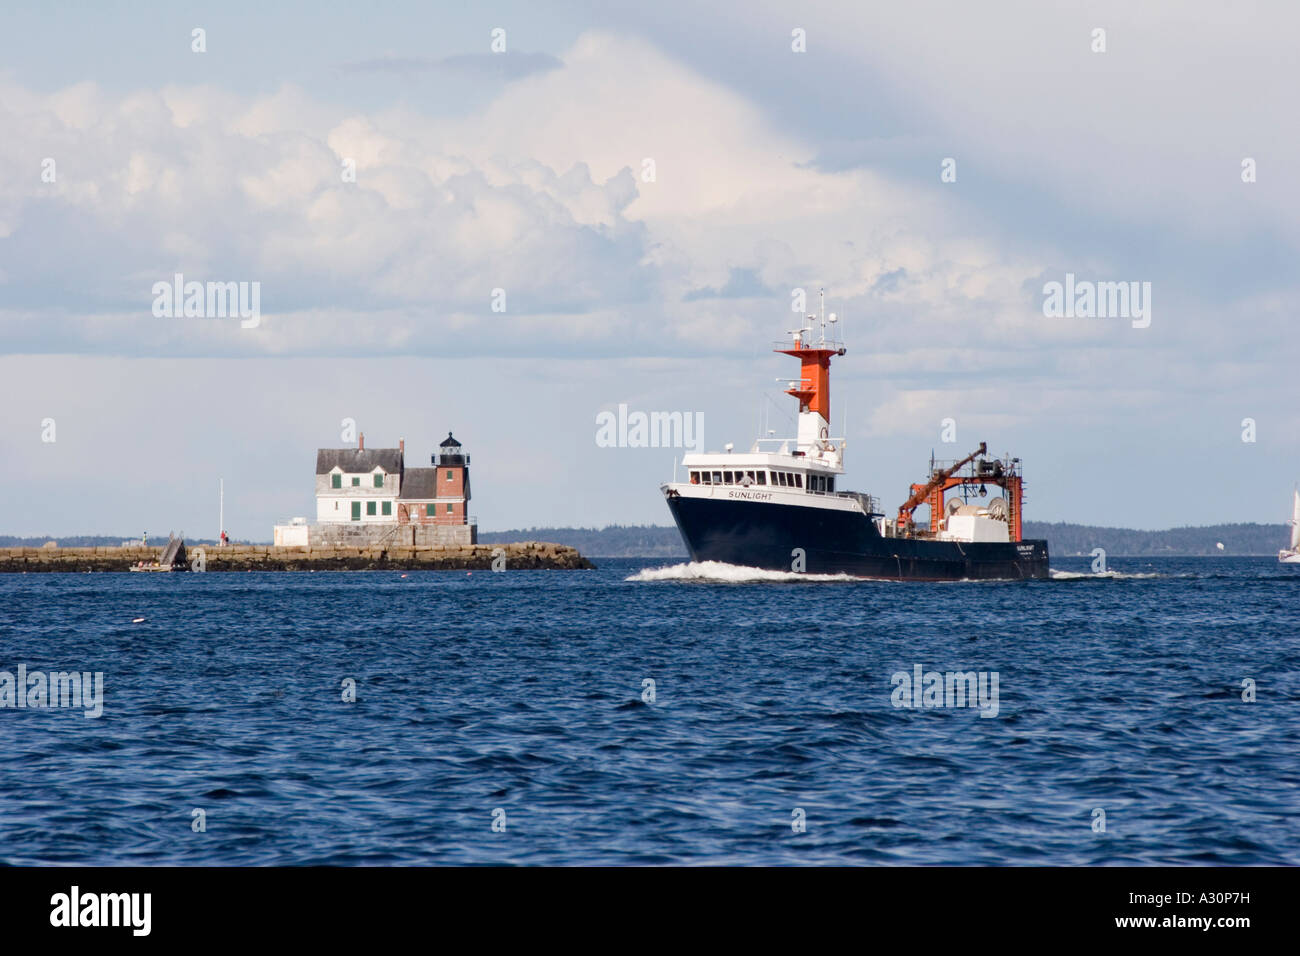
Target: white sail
1295	522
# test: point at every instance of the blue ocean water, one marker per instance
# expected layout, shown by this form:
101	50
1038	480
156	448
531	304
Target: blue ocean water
518	697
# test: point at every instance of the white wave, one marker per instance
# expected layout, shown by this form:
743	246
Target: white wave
1100	576
728	574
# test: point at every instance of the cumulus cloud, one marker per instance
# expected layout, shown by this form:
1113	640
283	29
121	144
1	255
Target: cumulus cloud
604	198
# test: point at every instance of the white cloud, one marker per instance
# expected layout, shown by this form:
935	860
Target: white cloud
539	194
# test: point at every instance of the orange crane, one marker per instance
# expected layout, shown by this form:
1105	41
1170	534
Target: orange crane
920	493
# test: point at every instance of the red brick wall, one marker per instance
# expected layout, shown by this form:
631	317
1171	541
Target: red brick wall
455	488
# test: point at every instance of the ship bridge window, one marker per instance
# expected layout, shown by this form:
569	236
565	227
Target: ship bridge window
717	477
695	477
798	480
782	478
727	478
762	477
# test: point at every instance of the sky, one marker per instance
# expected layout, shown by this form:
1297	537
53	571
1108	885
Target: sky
616	206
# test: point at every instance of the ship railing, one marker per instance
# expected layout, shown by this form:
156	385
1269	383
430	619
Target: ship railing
870	503
790	345
792	443
1010	467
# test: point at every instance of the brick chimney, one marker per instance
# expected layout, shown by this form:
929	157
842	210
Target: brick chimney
361	441
401	447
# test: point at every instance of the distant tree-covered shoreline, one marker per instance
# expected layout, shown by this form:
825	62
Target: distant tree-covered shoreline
660	541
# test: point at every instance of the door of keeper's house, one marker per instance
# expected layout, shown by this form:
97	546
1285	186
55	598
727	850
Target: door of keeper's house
356	511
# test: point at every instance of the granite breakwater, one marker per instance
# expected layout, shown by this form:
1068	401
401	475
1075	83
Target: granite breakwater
528	555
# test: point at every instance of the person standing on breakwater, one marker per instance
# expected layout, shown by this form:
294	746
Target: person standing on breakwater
225	539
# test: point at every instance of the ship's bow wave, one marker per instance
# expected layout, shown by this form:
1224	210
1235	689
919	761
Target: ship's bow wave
720	572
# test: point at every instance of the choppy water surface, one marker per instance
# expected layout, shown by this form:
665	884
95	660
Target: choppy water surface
523	692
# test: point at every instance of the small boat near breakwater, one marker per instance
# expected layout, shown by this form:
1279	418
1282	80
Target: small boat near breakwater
171	559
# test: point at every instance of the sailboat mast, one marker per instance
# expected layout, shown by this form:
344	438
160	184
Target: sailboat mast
1295	521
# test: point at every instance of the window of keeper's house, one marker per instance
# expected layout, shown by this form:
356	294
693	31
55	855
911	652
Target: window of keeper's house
356	481
370	507
336	481
428	511
387	508
379	480
448	509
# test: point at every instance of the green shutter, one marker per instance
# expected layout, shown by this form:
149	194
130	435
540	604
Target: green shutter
388	507
379	480
449	508
336	481
356	482
370	507
449	474
428	511
356	511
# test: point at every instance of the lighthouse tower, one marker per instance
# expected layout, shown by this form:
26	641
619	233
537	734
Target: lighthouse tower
452	465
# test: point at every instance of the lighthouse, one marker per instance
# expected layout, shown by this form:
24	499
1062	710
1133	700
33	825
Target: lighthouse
452	465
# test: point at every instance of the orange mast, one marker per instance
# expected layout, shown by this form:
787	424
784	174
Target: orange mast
814	388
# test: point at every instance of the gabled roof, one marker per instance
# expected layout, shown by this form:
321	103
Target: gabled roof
356	461
419	484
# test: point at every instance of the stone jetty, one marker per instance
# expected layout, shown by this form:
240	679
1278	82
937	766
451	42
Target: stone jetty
524	556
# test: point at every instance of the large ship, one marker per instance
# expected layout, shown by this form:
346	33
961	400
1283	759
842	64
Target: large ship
779	507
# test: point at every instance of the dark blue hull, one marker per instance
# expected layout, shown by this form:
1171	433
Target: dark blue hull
768	535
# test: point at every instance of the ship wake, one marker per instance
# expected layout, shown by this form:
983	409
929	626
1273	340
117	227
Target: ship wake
1100	576
720	572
